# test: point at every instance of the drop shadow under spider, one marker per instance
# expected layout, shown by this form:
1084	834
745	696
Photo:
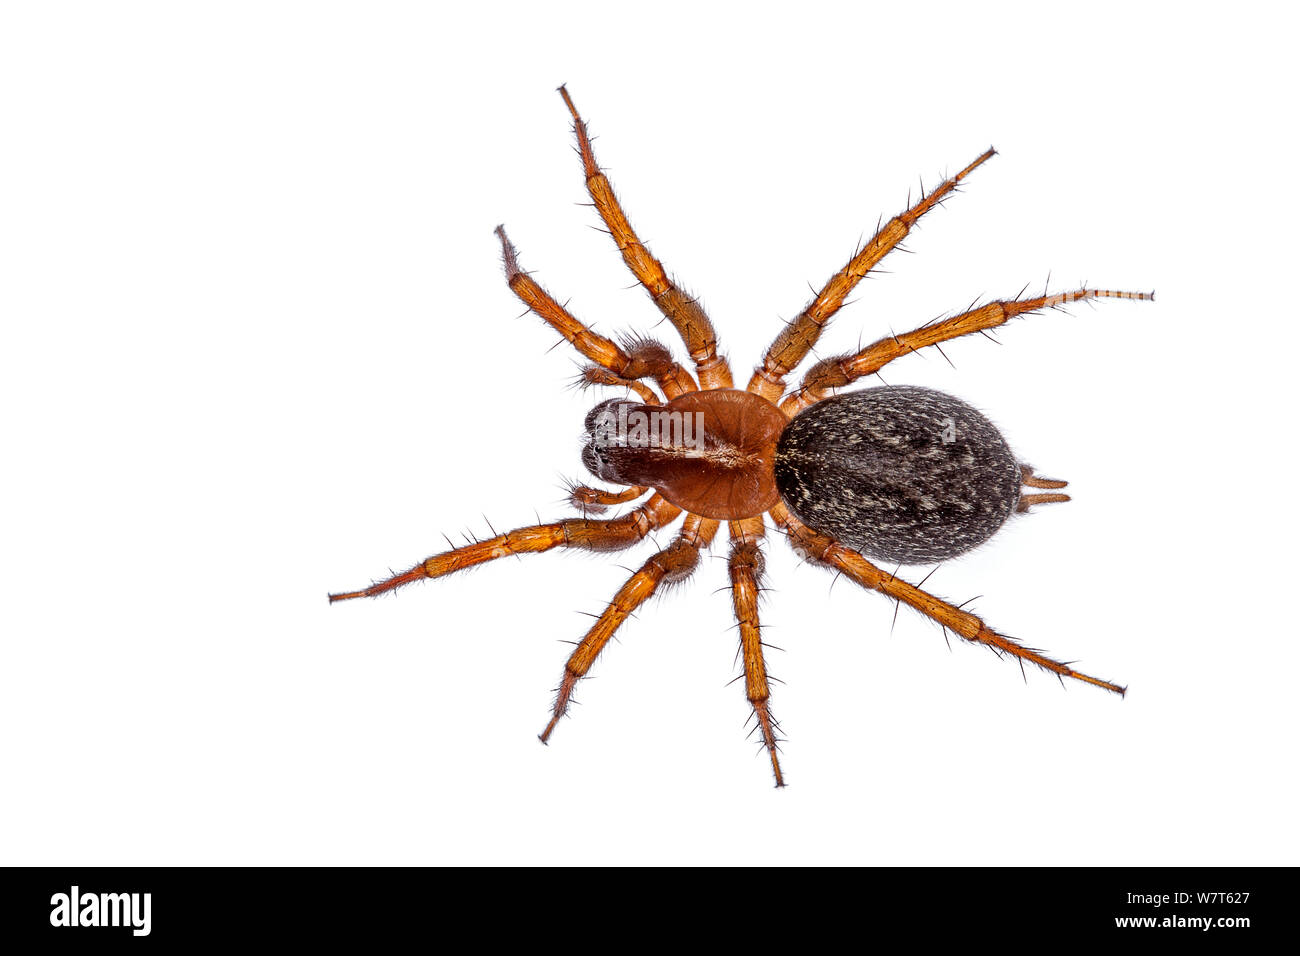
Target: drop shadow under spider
904	475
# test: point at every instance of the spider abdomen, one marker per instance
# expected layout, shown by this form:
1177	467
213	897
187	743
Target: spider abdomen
905	475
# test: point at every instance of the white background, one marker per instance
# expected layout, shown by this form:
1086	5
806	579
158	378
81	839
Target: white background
257	347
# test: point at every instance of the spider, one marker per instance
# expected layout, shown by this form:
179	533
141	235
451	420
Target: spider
901	475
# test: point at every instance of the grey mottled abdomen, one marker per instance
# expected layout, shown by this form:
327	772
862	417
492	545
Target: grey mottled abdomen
905	475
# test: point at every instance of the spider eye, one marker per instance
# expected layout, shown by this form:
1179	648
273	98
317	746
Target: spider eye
603	415
596	459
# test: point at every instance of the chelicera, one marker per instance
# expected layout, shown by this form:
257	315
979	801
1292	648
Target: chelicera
896	475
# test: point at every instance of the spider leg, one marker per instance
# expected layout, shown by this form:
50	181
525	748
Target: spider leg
613	534
844	369
794	341
595	375
651	357
604	352
824	550
682	310
671	565
644	358
746	569
597	500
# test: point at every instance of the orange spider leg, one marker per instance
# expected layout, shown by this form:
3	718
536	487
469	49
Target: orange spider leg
801	334
683	311
613	534
844	369
597	499
604	352
746	569
824	550
594	375
671	565
644	358
653	360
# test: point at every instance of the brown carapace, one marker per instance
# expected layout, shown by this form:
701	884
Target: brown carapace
901	474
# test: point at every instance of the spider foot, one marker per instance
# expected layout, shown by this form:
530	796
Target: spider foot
562	697
380	587
767	726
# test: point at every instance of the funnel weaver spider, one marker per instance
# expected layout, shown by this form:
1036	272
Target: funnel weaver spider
901	474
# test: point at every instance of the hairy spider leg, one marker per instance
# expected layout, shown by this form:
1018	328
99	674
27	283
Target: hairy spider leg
843	370
612	534
652	359
595	375
824	550
746	569
673	564
648	358
604	352
597	500
798	337
645	358
681	309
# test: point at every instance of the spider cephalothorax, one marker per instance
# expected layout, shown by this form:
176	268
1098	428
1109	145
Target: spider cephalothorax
905	475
